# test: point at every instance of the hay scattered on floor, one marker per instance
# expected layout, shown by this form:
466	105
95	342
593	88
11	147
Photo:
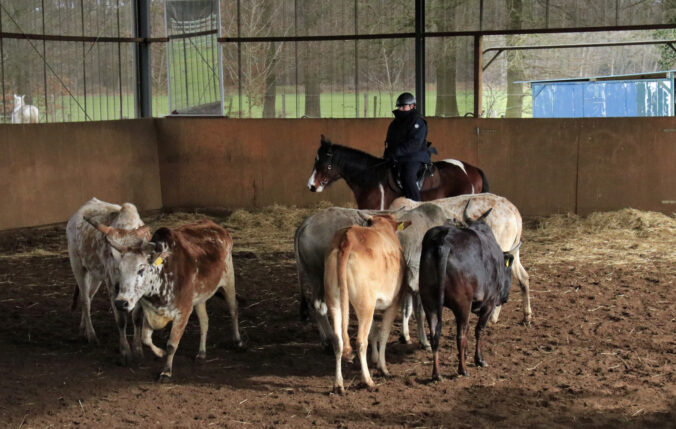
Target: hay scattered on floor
621	237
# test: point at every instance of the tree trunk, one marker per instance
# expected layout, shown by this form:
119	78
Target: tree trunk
270	85
514	65
447	98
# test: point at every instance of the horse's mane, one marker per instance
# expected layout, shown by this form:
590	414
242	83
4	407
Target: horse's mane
359	167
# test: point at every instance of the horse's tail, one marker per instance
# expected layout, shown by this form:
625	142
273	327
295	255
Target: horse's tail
484	181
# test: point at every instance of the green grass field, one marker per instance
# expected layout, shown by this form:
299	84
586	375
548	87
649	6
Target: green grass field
193	83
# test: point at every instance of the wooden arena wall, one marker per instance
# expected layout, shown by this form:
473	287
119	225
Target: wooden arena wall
47	171
543	165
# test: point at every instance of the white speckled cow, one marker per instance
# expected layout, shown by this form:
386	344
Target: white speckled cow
178	270
506	224
94	262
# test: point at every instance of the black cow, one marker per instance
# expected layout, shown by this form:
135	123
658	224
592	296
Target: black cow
464	269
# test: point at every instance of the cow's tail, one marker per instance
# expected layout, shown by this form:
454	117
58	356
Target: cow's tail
76	295
484	181
343	257
441	291
304	309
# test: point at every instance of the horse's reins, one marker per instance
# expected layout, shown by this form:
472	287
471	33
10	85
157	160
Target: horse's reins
329	166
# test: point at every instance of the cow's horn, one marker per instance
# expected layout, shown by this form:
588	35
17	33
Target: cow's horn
515	248
115	245
464	213
98	225
483	216
149	246
366	218
91	221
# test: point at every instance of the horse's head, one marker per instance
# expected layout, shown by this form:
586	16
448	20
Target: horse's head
18	101
323	171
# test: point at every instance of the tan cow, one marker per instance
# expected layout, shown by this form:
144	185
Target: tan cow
364	267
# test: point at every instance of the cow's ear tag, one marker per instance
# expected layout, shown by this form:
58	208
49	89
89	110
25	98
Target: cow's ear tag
159	261
507	263
400	226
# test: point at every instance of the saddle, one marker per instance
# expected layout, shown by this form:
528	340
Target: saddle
426	170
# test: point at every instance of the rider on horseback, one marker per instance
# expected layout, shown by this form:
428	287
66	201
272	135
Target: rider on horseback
406	143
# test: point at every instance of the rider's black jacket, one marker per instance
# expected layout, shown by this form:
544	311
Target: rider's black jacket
407	137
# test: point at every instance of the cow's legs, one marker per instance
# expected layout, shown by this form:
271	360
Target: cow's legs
481	324
420	321
386	326
365	318
337	341
147	339
201	310
325	329
434	322
137	317
524	284
374	334
462	326
121	321
406	311
90	288
83	297
177	329
231	300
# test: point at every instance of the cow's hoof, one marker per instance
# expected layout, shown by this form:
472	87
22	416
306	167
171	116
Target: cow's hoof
126	359
92	340
481	363
201	357
370	387
339	390
404	340
526	320
164	378
462	373
426	347
239	345
385	373
436	378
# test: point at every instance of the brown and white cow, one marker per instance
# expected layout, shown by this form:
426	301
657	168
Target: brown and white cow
177	270
506	224
364	267
94	262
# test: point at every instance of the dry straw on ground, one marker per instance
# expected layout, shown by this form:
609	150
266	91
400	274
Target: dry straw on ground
621	237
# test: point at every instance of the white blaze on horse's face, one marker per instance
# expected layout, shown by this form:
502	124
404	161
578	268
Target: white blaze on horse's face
311	183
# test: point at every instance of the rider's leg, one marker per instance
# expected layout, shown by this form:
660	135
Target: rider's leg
409	175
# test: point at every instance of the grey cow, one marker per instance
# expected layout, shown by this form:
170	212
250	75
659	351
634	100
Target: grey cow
313	238
94	262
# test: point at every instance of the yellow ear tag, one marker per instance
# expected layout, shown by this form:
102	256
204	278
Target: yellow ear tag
158	261
507	263
400	227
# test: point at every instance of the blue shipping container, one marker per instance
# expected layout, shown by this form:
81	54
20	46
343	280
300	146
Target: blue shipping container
608	98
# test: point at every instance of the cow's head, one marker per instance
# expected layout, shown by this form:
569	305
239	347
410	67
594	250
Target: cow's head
387	221
324	171
506	278
140	264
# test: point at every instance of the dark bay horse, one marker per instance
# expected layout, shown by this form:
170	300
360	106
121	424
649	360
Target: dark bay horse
371	181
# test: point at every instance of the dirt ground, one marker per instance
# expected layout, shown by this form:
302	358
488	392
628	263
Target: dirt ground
601	351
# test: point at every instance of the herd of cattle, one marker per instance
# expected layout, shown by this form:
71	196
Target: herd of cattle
457	252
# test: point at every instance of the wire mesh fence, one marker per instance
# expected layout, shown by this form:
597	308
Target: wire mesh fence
77	60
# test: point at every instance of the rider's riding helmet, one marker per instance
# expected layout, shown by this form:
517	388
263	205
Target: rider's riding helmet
405	99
